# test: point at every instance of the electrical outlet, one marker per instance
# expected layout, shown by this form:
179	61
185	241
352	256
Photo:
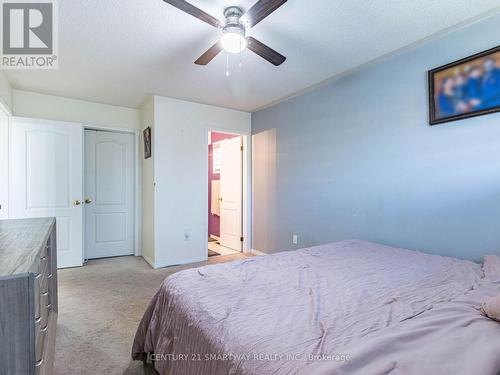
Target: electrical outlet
295	239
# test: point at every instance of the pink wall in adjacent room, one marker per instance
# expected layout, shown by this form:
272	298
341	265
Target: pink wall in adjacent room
213	220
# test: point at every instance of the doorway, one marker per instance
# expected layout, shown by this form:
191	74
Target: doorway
225	193
109	193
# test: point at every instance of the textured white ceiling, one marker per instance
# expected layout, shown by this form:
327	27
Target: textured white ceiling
119	51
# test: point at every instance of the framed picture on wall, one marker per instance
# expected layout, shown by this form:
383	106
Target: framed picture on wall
147	142
465	88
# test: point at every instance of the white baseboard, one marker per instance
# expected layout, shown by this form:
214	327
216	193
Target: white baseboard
181	262
257	252
148	261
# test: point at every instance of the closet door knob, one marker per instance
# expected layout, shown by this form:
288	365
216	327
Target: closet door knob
88	201
77	203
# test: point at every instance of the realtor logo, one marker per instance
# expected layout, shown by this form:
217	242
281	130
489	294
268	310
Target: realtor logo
29	34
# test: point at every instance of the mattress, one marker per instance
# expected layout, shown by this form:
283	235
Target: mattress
350	307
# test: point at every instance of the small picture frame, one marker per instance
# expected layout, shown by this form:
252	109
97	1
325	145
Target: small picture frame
147	142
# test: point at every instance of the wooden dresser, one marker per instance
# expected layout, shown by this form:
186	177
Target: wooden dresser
28	296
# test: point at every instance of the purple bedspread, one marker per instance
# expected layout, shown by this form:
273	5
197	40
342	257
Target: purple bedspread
351	307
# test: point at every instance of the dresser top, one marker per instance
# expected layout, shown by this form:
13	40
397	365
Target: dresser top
21	242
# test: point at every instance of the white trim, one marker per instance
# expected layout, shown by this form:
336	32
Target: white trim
217	238
109	128
138	196
148	261
184	261
137	183
257	252
6	203
4	107
247	194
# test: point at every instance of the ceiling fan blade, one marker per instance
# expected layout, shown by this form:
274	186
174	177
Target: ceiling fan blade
261	9
265	52
195	12
209	55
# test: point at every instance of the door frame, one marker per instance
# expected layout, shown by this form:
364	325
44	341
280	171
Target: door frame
137	183
247	185
4	109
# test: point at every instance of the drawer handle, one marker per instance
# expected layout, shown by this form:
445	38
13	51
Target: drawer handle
43	258
37	320
50	276
44	328
37	276
49	306
39	363
45	293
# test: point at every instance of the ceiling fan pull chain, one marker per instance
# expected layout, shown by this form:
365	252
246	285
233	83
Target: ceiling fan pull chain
227	64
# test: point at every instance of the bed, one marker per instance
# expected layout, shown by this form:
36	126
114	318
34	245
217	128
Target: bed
350	307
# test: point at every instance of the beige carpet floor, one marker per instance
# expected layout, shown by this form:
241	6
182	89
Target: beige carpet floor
100	306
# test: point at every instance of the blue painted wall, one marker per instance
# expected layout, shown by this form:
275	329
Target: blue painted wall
357	158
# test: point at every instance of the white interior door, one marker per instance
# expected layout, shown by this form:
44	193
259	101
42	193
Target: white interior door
4	165
109	194
231	192
46	170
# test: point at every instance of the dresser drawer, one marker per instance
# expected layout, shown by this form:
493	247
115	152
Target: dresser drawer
50	285
36	294
44	309
43	266
43	283
39	366
40	339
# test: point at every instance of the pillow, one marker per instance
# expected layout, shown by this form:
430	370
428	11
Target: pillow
491	267
491	308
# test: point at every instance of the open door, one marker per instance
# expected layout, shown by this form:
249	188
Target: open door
231	193
46	165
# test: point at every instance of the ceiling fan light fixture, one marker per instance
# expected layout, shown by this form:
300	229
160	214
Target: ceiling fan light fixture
233	39
234	28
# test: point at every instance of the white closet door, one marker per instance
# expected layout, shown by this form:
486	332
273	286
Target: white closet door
46	168
4	166
109	194
231	192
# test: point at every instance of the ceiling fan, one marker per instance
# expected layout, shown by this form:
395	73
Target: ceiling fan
234	39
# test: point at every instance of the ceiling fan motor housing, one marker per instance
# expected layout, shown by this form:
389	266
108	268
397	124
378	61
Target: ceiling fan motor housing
233	25
233	15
